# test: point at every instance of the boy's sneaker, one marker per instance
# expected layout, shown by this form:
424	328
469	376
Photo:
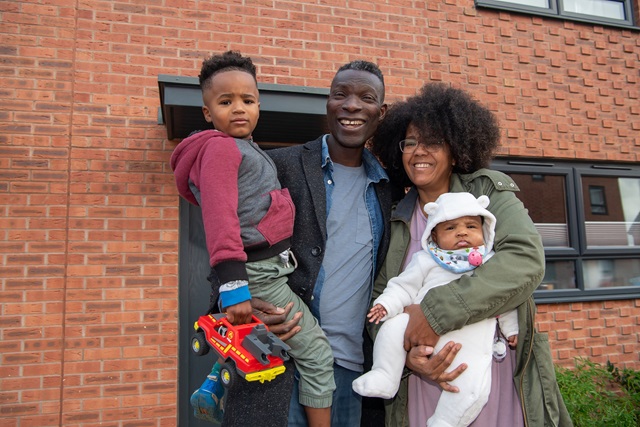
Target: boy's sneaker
208	400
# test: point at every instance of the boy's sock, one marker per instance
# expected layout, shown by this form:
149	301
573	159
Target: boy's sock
208	400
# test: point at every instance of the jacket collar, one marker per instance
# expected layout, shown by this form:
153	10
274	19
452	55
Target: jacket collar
404	208
375	171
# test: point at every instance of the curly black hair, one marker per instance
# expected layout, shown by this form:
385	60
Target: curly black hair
370	67
230	60
440	113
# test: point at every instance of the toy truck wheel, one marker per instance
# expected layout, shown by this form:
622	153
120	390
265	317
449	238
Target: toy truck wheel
199	344
228	374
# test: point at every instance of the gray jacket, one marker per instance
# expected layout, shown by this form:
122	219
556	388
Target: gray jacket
300	171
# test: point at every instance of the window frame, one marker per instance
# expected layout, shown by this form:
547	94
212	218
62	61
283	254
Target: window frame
598	170
578	252
556	10
532	168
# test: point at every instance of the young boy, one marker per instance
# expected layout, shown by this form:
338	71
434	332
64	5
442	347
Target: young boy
248	220
458	238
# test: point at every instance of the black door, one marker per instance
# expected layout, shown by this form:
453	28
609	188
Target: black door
193	294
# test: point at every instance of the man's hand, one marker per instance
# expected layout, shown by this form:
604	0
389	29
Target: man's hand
420	361
418	331
274	317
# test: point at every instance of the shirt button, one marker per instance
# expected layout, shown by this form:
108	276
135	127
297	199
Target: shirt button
316	251
499	183
512	184
312	297
329	182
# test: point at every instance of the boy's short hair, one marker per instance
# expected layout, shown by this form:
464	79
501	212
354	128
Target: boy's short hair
230	60
370	67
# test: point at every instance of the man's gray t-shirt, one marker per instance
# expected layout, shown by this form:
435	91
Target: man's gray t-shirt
347	265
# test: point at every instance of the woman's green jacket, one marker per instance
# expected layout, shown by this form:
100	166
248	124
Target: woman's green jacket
506	282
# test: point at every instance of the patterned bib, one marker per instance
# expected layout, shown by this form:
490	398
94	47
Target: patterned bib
457	260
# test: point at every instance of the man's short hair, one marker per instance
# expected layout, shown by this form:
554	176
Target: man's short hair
370	67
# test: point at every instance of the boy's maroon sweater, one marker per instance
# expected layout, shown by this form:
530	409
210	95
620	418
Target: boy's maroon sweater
245	212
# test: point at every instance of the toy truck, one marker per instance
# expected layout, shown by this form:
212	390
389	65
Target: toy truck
249	351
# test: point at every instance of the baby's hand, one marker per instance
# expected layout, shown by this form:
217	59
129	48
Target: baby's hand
239	314
376	313
513	341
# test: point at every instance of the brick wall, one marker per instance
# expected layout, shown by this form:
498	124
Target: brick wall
88	208
598	331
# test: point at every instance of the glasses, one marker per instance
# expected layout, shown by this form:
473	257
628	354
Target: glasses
409	145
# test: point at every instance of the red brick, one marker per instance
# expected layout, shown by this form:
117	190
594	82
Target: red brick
79	136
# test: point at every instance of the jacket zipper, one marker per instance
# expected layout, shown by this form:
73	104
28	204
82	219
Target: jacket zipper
524	410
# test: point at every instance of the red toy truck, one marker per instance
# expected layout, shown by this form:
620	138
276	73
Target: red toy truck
249	350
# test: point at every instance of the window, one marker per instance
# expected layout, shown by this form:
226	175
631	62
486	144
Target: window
616	225
598	200
600	8
588	216
610	12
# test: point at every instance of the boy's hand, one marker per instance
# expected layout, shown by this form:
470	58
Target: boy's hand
276	318
513	341
376	313
239	314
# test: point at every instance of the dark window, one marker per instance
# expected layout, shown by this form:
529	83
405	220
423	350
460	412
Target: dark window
588	216
597	200
610	12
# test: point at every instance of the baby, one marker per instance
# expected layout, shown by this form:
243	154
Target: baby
458	238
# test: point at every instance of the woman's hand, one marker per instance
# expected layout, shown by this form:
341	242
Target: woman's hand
274	317
420	361
418	331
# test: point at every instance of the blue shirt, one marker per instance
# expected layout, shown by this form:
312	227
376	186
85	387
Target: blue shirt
349	354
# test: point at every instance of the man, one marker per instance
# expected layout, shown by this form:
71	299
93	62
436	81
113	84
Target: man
341	232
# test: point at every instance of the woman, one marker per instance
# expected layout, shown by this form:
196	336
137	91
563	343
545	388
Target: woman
441	141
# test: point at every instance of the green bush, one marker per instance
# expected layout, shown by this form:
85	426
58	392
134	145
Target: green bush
598	396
